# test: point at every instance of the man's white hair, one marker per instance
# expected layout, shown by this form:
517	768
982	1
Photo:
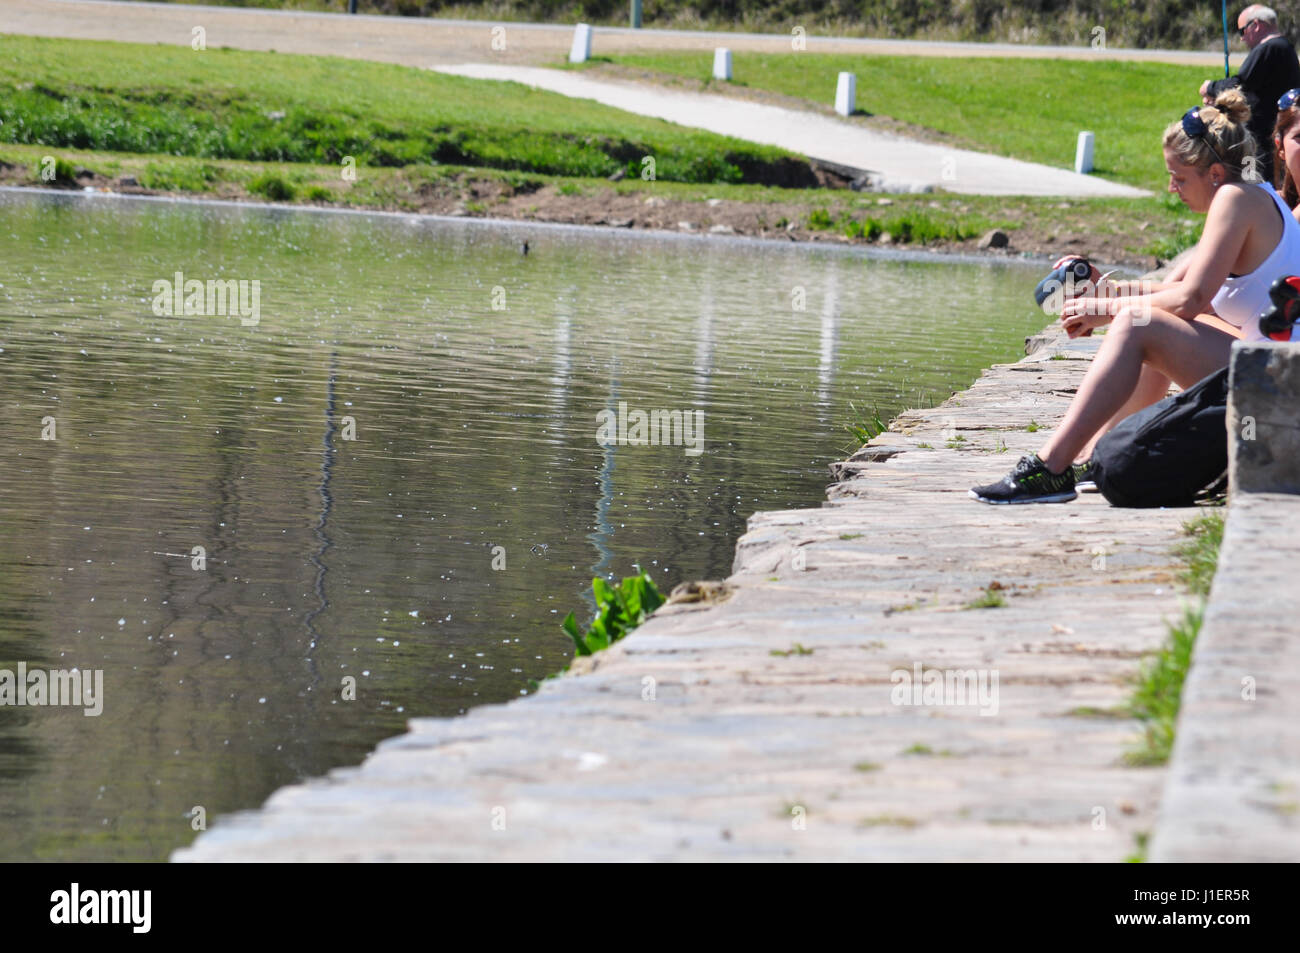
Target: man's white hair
1261	12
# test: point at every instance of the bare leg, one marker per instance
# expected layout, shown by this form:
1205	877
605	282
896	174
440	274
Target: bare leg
1152	386
1183	351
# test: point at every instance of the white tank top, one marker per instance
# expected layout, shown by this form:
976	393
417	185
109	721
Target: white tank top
1241	300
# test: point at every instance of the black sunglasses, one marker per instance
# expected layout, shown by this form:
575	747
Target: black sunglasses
1287	99
1241	30
1195	128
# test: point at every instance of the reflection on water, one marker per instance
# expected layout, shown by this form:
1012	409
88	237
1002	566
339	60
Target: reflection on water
475	428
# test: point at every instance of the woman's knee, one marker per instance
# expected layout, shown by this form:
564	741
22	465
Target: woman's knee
1131	319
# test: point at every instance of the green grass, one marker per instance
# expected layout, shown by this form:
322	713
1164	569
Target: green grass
1140	843
228	104
274	186
179	176
916	226
990	598
1029	109
1200	552
60	171
1158	693
795	649
926	750
889	820
1091	711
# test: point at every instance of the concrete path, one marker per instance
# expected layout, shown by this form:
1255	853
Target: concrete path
904	165
766	727
420	41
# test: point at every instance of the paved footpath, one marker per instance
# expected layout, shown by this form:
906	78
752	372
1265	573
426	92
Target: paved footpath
763	727
903	165
420	41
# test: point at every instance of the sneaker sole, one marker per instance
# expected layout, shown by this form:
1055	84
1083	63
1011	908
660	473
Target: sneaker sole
1086	487
1053	498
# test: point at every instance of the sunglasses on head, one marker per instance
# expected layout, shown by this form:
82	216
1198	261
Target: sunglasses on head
1195	128
1288	99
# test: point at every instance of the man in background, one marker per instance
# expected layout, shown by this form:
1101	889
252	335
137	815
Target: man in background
1270	69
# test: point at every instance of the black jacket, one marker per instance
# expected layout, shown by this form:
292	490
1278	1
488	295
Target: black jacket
1268	71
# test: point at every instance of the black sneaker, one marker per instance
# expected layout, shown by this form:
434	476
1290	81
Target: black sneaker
1029	482
1085	477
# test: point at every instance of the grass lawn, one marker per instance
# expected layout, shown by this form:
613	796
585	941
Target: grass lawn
1028	109
228	104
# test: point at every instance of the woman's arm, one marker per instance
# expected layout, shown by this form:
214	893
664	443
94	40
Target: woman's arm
1228	226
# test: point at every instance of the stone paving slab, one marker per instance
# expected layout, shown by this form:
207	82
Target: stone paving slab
763	727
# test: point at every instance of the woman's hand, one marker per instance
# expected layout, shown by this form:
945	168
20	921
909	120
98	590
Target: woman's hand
1093	276
1080	316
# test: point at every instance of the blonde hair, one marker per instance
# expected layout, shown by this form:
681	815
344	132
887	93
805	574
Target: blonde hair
1226	139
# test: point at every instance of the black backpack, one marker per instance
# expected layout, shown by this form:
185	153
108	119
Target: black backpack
1165	454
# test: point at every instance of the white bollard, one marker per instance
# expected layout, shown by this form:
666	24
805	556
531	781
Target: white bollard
846	92
722	64
1083	154
580	52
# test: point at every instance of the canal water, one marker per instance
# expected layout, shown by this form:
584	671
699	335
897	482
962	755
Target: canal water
396	472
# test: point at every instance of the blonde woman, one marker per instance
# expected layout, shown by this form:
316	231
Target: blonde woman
1181	330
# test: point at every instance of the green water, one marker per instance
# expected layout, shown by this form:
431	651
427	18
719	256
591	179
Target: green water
372	558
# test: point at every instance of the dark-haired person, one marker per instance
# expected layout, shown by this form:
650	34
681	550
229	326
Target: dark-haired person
1181	330
1269	69
1286	149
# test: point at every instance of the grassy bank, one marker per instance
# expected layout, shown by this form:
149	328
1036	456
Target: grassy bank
273	127
228	104
1132	231
1030	109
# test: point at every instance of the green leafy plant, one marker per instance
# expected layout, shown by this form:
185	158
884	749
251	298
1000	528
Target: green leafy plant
619	610
820	218
865	428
